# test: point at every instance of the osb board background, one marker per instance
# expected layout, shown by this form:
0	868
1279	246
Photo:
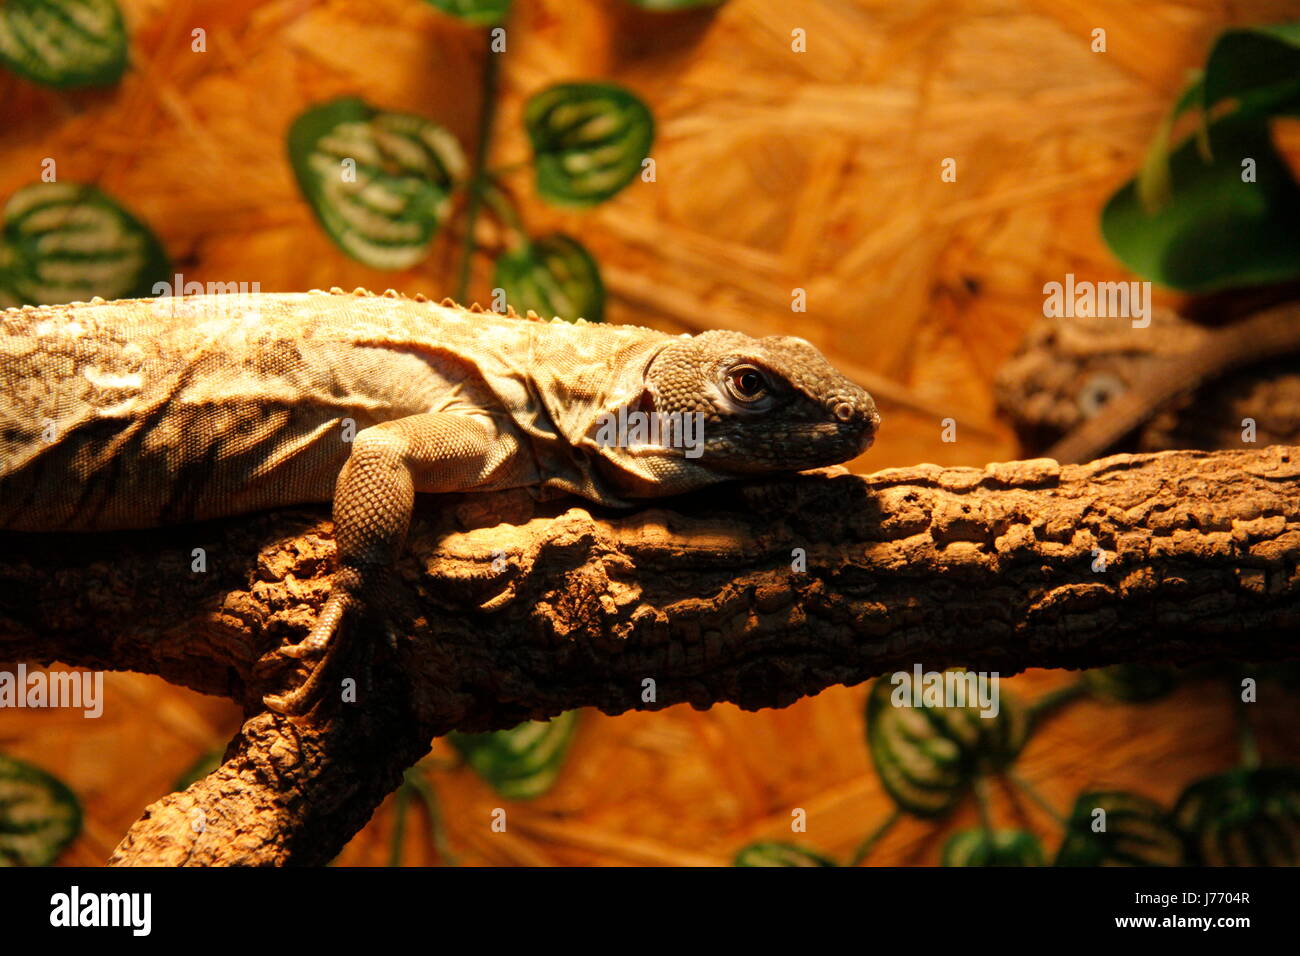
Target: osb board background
776	170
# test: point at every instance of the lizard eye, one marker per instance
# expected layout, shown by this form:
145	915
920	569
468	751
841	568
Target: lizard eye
1097	391
746	383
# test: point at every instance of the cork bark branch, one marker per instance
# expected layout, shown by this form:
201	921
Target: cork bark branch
757	594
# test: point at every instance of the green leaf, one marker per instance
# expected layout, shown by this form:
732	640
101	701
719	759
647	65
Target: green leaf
39	815
64	43
380	183
523	762
589	140
779	854
1257	66
1138	832
553	276
1153	185
1257	70
480	13
660	6
928	757
66	242
1130	683
1217	232
993	848
1243	817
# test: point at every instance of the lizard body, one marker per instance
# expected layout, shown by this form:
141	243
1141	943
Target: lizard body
140	413
1088	382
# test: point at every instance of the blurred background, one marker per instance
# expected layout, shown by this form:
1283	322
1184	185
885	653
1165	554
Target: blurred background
894	181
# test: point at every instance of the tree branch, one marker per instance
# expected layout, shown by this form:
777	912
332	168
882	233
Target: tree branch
508	611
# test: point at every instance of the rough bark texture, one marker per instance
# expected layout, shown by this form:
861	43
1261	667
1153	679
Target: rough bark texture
507	612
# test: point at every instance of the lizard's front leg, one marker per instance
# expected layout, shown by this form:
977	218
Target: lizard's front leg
390	462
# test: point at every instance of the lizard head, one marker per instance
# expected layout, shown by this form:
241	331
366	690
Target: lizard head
764	405
1068	369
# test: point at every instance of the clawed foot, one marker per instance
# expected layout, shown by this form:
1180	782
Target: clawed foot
303	698
310	648
324	646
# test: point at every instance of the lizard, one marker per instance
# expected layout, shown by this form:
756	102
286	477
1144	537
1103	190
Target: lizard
149	412
1084	383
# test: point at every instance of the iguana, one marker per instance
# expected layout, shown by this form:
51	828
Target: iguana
146	412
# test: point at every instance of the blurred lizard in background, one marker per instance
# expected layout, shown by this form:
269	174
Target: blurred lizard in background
1085	384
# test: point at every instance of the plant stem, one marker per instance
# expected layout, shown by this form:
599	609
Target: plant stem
424	790
498	200
506	168
1032	793
1053	699
1245	733
869	844
982	803
487	113
400	801
451	762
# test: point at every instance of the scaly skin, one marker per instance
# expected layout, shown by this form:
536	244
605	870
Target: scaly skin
1088	382
139	413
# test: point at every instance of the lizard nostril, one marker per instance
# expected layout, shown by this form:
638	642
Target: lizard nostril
843	411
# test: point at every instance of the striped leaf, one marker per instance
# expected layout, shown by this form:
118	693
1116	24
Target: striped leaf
589	140
1139	832
993	848
66	242
380	183
63	43
480	13
39	815
779	854
1243	818
553	275
523	762
928	757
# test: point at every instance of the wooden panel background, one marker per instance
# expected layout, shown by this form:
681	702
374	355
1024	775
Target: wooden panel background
776	170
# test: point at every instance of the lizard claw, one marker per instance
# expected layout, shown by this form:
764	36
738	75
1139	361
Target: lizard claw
306	695
290	705
305	650
323	645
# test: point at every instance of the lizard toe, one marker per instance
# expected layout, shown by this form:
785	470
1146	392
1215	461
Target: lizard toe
291	704
307	650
